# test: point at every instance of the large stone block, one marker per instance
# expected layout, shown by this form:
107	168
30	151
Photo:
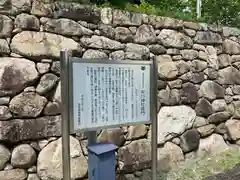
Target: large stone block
173	121
41	44
15	74
25	129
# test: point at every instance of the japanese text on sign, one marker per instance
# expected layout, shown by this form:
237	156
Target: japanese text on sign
110	94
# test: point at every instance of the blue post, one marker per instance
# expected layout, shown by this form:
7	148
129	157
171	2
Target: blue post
102	162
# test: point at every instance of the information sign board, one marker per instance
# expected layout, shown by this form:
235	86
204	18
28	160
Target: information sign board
108	93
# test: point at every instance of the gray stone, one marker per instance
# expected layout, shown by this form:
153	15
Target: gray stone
190	32
117	55
176	141
182	67
169	97
200	121
30	89
42	143
37	128
193	77
4	156
56	67
23	156
115	136
211	145
15	74
157	49
167	68
4	47
66	27
15	7
199	47
207	37
27	22
8	167
27	104
219	105
169	156
173	51
13	174
136	132
5	113
166	22
43	67
145	35
66	10
177	57
206	130
124	18
231	47
212	58
161	84
47	82
42	44
106	15
198	65
50	163
92	54
188	93
231	31
211	73
235	58
52	108
57	94
135	156
106	30
191	25
136	51
224	60
219	117
228	76
211	90
133	29
189	54
174	120
33	177
221	129
101	42
123	34
203	108
233	127
171	38
235	89
215	28
203	55
189	140
32	169
6	26
175	84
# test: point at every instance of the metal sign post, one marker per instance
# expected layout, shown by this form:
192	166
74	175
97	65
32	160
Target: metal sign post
64	60
154	120
100	94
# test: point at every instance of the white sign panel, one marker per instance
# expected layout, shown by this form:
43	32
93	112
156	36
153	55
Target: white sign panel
110	95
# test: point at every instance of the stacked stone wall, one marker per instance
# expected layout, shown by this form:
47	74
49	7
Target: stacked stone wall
198	86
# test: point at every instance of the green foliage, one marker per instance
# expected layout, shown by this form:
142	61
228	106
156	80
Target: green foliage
220	12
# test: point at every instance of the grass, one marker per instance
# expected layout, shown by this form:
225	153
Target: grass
198	169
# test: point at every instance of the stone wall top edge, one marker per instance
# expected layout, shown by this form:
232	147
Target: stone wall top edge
117	17
107	15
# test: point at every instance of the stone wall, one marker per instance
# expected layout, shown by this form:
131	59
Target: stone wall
199	86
